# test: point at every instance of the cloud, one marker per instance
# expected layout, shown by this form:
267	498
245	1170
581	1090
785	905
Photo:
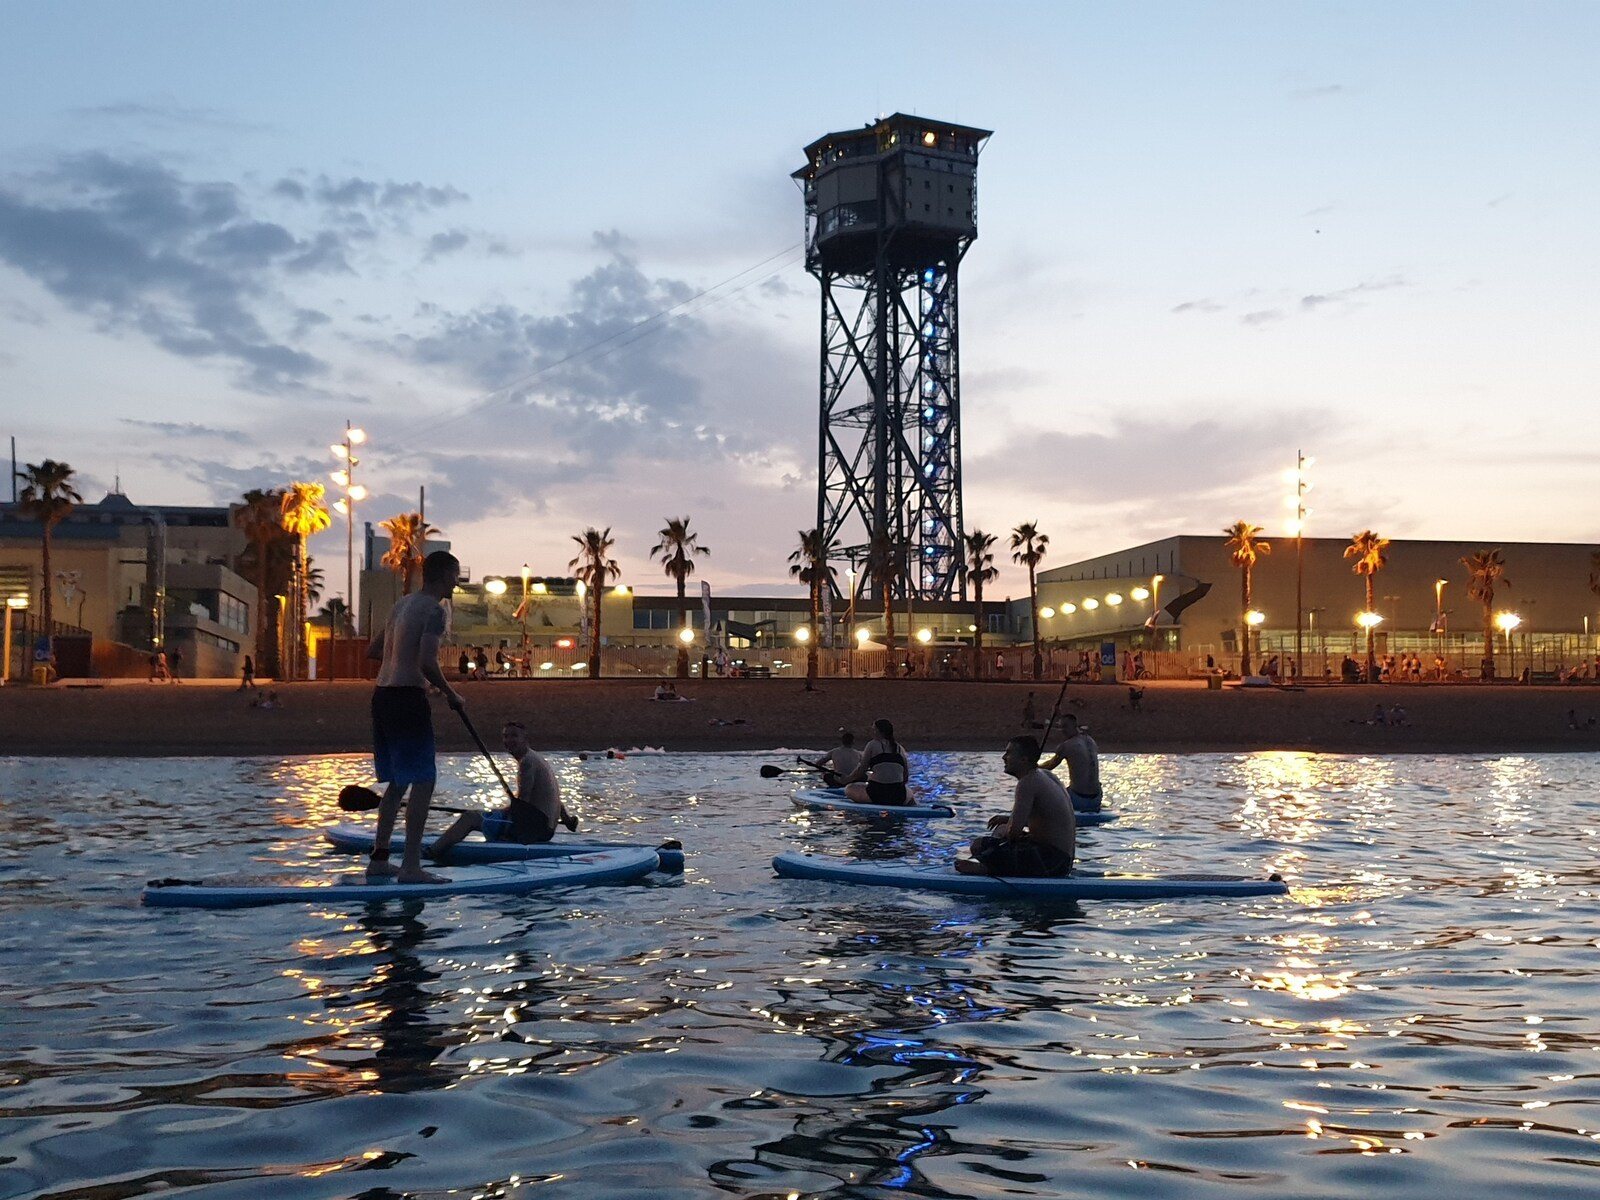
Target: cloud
1348	295
1205	304
1317	93
165	114
441	244
355	192
188	429
1261	316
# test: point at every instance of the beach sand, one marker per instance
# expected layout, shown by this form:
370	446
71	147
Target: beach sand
199	719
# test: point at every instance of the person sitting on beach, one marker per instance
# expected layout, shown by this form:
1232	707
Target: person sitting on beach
1397	715
840	763
1040	836
880	777
528	820
1378	717
663	691
1082	756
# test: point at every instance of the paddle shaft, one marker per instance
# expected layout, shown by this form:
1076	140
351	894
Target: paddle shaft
1044	742
494	766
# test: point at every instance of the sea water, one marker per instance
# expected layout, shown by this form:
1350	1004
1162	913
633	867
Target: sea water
1416	1018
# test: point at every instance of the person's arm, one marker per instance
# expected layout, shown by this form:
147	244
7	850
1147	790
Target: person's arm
428	652
1054	761
1021	810
860	773
375	647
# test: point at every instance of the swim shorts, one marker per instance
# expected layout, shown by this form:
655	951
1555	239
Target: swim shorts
502	826
402	735
887	793
1083	803
1023	857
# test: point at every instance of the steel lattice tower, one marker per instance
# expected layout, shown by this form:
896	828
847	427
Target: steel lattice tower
890	211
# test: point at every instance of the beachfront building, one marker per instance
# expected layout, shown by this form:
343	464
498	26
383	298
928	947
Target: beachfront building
1180	597
129	579
538	622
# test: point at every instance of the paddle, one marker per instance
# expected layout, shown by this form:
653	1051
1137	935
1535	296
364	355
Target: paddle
1055	712
768	771
356	798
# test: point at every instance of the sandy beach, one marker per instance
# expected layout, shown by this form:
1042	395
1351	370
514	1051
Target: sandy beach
199	719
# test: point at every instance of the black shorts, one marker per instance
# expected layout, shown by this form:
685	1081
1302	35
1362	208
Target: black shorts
402	735
1024	857
892	794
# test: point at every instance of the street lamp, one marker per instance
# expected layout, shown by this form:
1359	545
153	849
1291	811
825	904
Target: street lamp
801	635
1254	619
924	636
14	604
1297	526
1046	612
1506	622
345	477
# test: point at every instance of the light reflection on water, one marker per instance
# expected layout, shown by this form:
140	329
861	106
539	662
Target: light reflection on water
1416	1016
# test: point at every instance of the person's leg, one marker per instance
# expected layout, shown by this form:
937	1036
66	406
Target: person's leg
416	826
388	810
856	793
464	824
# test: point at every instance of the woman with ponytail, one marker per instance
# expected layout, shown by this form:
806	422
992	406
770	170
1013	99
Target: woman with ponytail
881	777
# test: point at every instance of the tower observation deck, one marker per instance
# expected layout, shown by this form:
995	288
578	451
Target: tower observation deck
890	211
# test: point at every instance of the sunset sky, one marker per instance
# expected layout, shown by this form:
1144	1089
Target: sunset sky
1210	234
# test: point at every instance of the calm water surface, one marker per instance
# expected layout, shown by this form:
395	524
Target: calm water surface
1418	1016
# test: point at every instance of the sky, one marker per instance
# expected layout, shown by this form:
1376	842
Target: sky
1210	235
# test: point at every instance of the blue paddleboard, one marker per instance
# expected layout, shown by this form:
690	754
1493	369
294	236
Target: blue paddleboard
606	866
1082	885
357	839
832	800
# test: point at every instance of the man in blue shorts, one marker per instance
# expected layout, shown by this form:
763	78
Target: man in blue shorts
1082	756
402	723
529	819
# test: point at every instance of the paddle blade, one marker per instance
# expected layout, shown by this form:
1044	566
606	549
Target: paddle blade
768	771
358	799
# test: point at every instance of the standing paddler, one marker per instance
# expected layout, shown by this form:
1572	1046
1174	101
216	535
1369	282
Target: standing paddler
402	723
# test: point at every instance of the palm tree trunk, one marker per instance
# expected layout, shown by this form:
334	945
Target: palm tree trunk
683	650
1244	622
977	631
261	608
594	637
1372	658
47	605
811	643
888	631
1488	637
1033	600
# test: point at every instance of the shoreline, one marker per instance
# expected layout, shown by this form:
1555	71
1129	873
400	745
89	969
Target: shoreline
201	719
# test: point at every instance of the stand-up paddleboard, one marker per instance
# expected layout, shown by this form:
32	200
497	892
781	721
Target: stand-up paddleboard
1083	885
606	866
832	800
357	839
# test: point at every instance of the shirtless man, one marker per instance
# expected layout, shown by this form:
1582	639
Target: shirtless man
402	724
529	819
1040	836
1082	757
840	763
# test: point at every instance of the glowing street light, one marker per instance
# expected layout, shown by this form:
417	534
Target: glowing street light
1140	593
1506	622
345	506
861	636
802	635
924	636
1297	526
1068	609
686	635
1091	603
495	587
1047	612
1113	598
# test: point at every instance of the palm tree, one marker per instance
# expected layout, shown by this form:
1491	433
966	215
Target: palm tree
408	534
47	497
1245	548
335	612
1594	572
882	566
1485	569
314	581
595	570
676	547
303	514
260	519
1367	548
980	569
1028	547
809	564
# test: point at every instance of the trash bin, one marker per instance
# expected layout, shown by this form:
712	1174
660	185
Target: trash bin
1213	683
41	676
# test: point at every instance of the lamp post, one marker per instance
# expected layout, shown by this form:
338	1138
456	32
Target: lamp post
1297	524
1506	622
345	477
14	604
1255	619
1368	622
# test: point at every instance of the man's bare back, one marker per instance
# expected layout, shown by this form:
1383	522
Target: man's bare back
1040	806
410	639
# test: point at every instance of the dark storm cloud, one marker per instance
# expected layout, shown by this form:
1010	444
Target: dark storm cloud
448	242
